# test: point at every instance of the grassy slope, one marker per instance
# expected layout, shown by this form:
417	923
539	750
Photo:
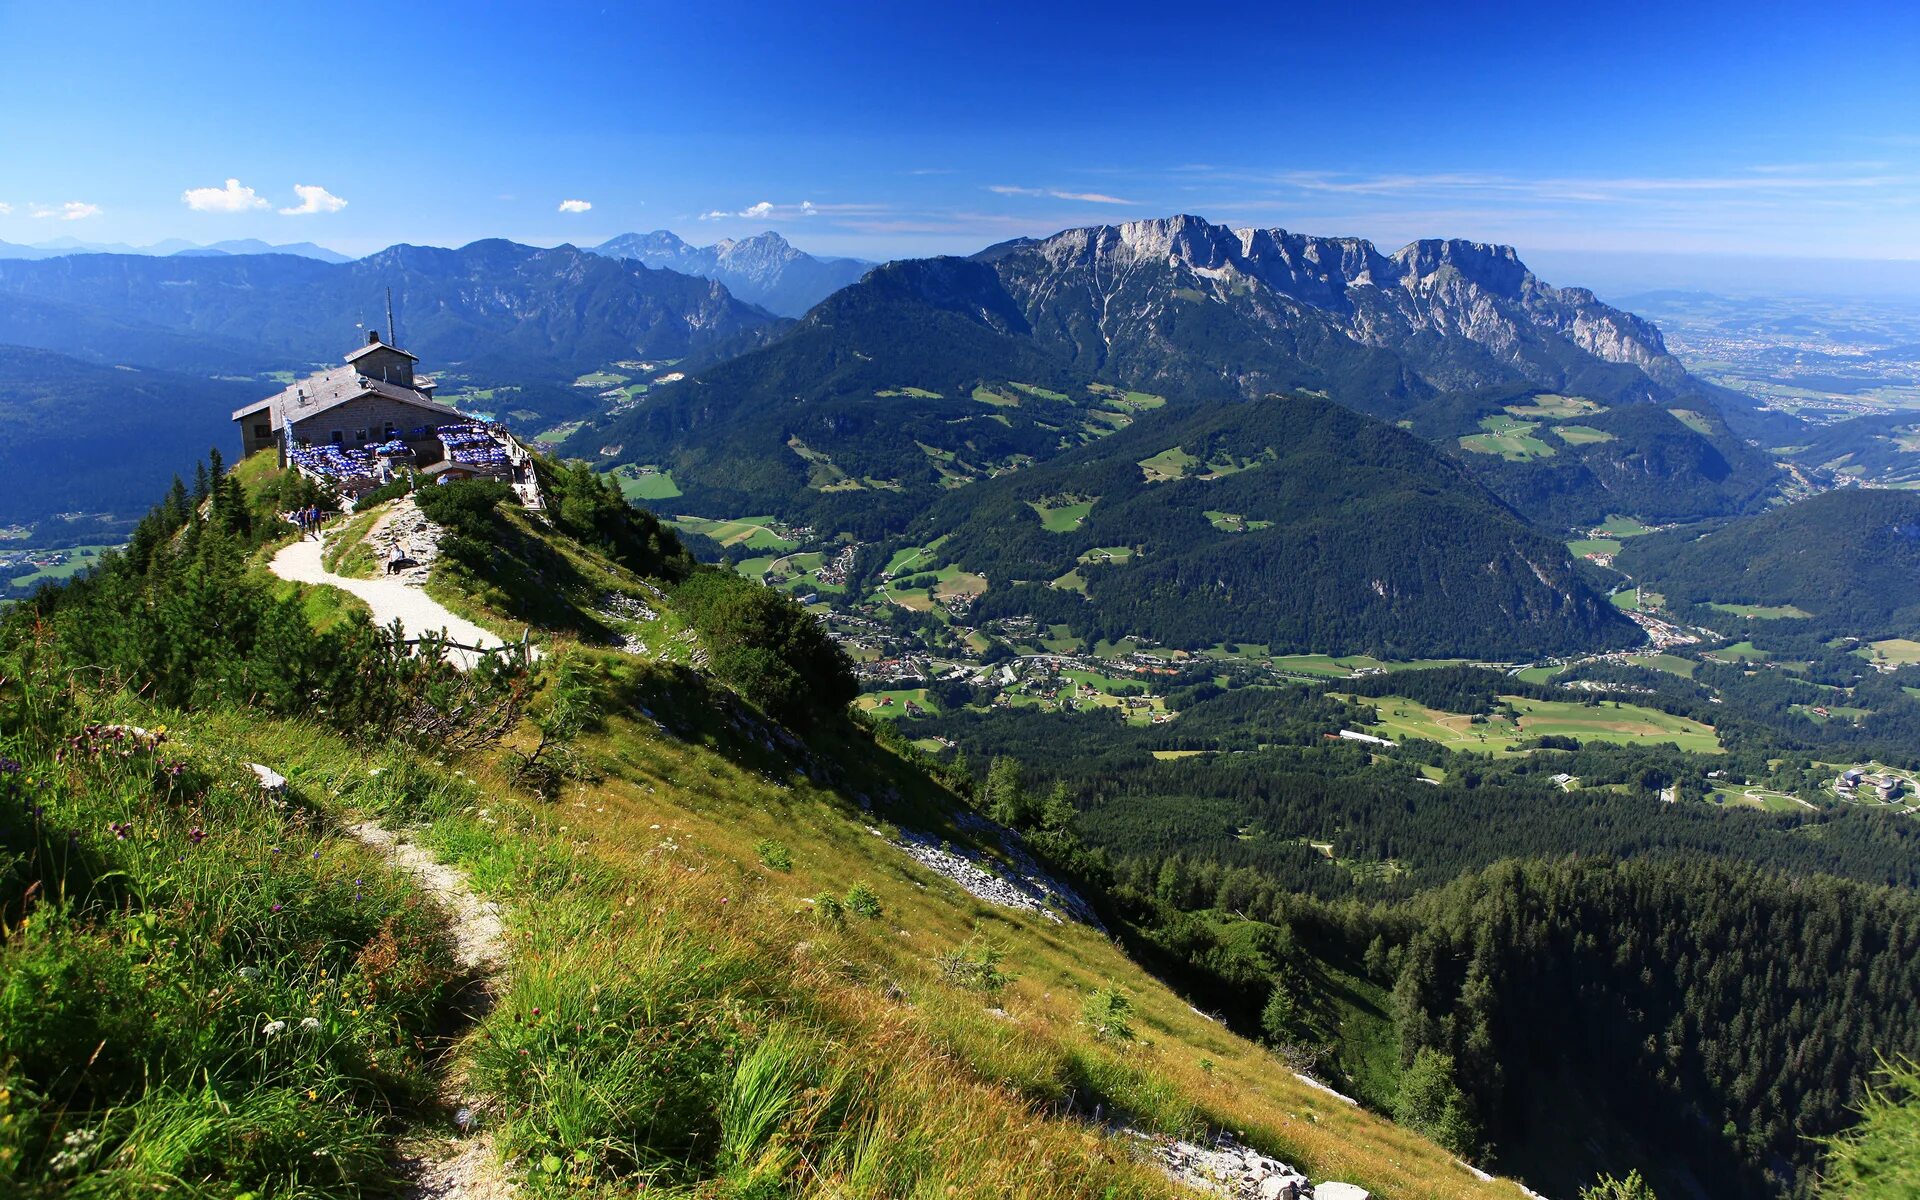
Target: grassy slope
640	889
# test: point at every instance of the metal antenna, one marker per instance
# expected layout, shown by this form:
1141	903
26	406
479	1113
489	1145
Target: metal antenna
390	340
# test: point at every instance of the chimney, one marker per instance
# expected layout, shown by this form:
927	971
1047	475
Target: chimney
373	337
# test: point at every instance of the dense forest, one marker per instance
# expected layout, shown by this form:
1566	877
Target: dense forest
1849	558
1346	535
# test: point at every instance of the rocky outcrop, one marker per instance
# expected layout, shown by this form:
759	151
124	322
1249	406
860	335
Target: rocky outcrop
1458	314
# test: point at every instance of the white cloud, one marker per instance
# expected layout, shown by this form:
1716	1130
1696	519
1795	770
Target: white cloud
575	206
1007	189
6	210
232	198
766	210
72	210
313	199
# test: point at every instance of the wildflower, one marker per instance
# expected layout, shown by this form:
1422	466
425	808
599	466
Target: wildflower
9	767
463	1118
274	1029
249	973
310	1024
196	835
276	908
122	830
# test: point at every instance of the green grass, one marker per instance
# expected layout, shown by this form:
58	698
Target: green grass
1400	719
1227	522
1509	439
1548	406
638	484
1741	651
208	987
1761	612
1623	527
1108	554
1672	664
1172	463
751	532
1039	392
1692	420
998	399
877	702
79	558
600	379
917	393
1061	514
1892	652
1581	435
1581	547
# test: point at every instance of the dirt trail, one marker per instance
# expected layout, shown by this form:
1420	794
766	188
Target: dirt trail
390	600
444	1165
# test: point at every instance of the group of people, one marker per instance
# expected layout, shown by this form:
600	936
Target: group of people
309	519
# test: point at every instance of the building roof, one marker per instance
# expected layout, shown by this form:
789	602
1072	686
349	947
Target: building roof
316	394
370	347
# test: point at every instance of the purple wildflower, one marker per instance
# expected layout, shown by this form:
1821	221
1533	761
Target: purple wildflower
196	835
9	766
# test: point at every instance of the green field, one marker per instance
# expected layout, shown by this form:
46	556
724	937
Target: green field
1581	435
79	558
1741	651
1893	652
1637	598
917	393
1764	799
1761	612
1039	392
1581	547
998	399
638	483
1510	439
877	702
1399	718
1227	522
1672	664
751	532
599	379
1692	420
907	558
1552	407
1108	554
1172	463
1622	527
558	434
1062	515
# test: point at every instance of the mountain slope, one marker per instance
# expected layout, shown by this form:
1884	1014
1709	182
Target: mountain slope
1570	461
549	314
763	269
879	377
1181	304
1291	523
1851	558
77	437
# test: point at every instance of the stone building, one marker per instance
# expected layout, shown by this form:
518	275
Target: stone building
374	398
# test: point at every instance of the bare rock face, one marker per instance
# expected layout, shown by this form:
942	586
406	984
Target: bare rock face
1457	314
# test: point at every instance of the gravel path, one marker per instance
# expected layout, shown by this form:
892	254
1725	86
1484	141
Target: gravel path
390	600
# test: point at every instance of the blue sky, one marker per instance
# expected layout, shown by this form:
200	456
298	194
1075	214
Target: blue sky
882	130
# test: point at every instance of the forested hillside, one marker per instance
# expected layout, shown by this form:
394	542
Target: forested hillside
1346	535
80	438
1849	558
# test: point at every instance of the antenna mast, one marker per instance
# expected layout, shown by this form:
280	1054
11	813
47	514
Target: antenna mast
390	340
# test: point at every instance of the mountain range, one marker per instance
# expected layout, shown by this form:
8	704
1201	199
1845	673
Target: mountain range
539	315
763	269
1181	309
60	247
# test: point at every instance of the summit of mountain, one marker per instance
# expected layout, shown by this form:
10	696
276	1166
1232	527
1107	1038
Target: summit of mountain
763	269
